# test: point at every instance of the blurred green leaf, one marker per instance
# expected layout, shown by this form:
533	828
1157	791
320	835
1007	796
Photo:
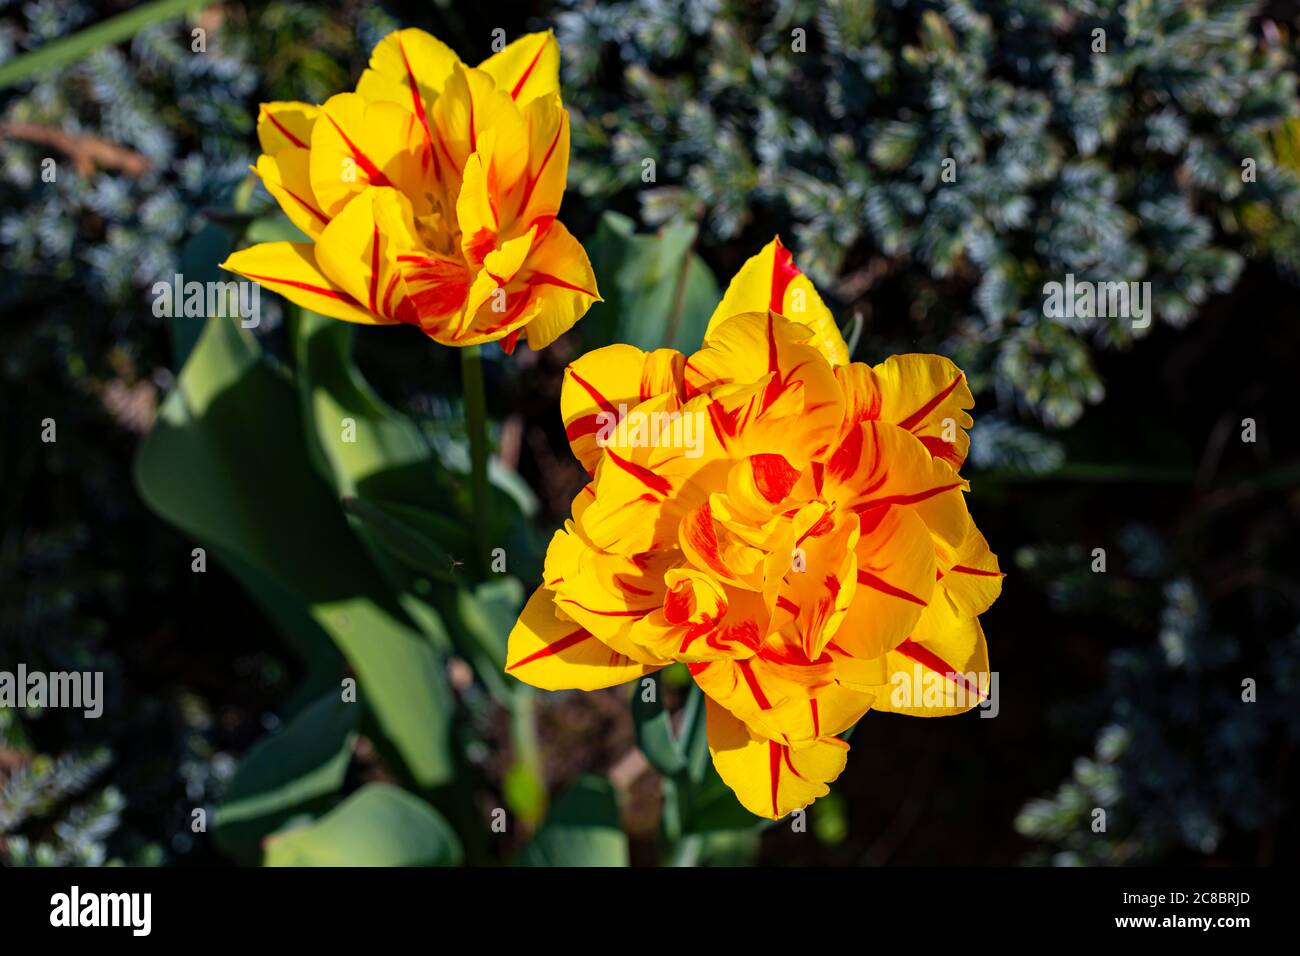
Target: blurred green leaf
705	803
404	542
379	825
524	792
274	228
654	730
709	804
198	263
227	464
366	447
830	818
484	618
114	30
287	773
582	829
658	293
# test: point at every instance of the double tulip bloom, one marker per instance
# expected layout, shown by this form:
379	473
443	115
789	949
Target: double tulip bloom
809	559
429	196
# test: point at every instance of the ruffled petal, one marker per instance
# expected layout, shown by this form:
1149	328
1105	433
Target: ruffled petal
771	280
527	68
771	779
290	269
552	653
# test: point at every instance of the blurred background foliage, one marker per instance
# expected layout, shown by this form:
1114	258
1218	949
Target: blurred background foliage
827	122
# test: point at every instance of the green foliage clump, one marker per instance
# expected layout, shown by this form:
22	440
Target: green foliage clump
1104	139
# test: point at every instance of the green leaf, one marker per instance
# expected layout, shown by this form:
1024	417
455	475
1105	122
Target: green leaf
114	30
366	450
198	263
227	464
403	684
582	829
654	730
709	805
386	525
288	773
381	454
658	292
705	802
379	825
484	618
275	227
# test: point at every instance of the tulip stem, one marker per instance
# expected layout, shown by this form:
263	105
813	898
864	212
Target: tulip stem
471	365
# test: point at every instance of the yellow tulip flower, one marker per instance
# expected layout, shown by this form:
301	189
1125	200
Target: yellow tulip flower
790	525
429	195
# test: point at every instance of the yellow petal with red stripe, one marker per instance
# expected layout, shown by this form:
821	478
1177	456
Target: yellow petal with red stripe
895	581
556	654
468	107
604	593
826	711
879	465
771	779
285	125
971	579
287	177
290	269
771	280
561	283
527	68
409	67
819	592
536	200
941	670
771	355
358	143
927	395
360	248
601	386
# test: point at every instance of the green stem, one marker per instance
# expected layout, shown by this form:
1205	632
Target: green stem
69	49
471	364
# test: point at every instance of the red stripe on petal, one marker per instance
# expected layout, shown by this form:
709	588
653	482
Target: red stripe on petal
305	286
284	130
306	205
374	271
514	94
533	179
884	587
595	394
774	768
773	475
580	427
917	416
939	448
563	644
373	173
906	499
416	99
783	273
388	293
962	569
543	278
654	482
747	670
929	659
631	588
